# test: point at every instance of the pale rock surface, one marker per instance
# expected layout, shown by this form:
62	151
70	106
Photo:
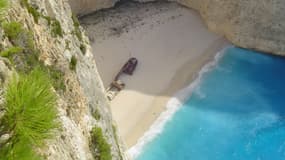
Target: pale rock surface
86	6
250	24
84	90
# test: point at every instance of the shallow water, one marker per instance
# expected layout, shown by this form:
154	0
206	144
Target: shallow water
237	112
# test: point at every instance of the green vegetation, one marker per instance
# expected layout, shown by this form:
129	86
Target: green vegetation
12	30
57	79
83	49
77	31
102	150
73	62
30	115
49	19
19	151
35	13
24	54
11	51
78	34
96	114
116	139
75	21
56	28
19	36
31	10
67	45
3	6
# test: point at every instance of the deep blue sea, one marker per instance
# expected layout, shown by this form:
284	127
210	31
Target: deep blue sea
237	112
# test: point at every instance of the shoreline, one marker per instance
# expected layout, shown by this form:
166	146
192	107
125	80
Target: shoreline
179	82
171	43
173	105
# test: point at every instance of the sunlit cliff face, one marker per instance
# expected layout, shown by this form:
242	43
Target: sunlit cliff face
86	6
248	24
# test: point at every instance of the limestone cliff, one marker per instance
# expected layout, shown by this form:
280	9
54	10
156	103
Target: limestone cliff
82	7
82	105
250	24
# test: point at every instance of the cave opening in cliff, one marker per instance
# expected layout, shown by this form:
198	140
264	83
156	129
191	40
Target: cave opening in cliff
117	33
177	89
171	44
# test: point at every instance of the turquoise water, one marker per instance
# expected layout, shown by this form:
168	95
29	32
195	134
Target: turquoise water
236	113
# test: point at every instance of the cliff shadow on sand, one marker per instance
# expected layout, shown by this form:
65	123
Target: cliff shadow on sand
171	43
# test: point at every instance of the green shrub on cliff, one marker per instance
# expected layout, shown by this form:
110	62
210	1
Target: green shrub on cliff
24	54
30	115
19	151
30	106
83	49
11	51
56	29
76	24
73	63
3	5
12	30
96	114
22	38
102	150
36	15
19	36
57	78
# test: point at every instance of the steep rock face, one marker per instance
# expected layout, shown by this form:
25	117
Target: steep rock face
250	24
86	6
84	92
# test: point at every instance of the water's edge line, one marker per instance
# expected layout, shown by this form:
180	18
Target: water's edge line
172	106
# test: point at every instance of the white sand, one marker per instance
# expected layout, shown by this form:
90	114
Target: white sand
171	44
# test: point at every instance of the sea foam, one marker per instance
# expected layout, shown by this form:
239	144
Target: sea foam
172	107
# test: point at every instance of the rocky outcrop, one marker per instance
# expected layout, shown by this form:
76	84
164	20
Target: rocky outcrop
57	37
250	24
82	7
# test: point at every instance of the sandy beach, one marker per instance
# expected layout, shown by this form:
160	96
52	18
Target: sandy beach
171	44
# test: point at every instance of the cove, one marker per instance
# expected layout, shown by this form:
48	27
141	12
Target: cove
236	112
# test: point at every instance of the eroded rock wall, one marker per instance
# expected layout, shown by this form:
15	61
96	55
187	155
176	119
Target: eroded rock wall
253	24
82	7
84	93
